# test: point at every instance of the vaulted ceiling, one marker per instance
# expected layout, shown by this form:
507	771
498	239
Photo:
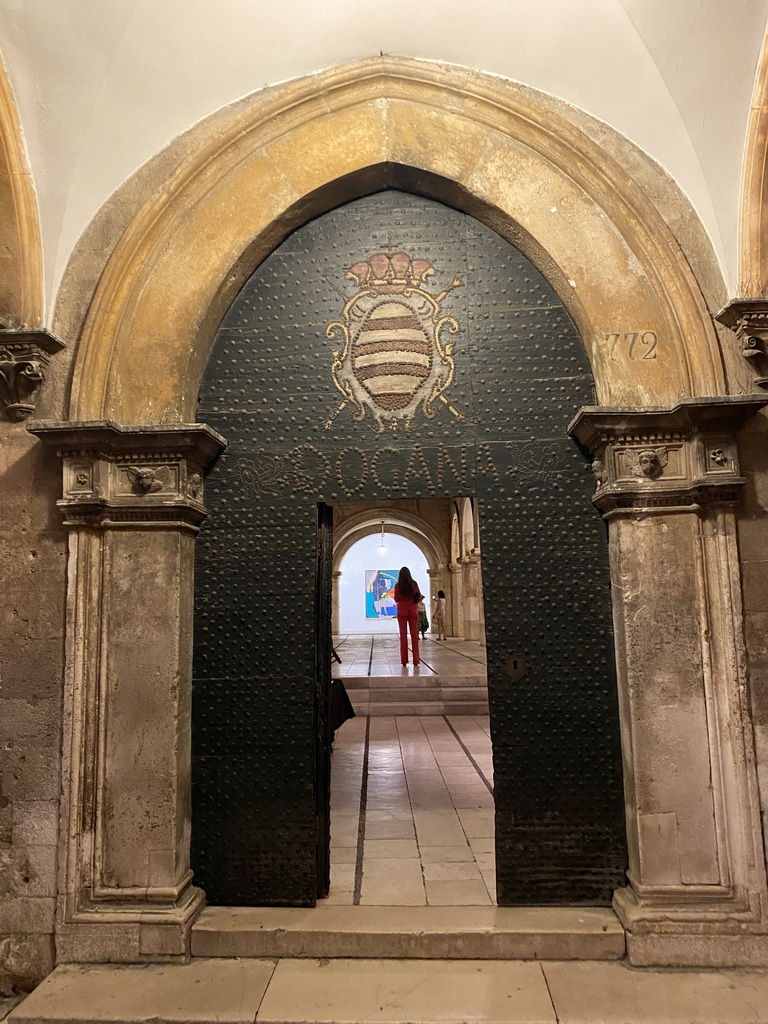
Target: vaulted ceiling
103	85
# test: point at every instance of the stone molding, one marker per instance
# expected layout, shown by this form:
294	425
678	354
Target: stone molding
24	357
748	319
118	476
662	458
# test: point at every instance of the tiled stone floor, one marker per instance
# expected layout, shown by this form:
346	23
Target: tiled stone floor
394	992
379	654
412	812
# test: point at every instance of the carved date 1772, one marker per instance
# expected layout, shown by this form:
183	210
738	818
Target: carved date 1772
633	344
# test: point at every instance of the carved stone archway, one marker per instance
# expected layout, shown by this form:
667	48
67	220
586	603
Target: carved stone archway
501	152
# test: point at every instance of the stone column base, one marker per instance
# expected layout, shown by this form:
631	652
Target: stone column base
703	935
130	936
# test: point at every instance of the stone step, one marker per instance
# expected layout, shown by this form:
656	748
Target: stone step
429	933
434	707
376	709
421	693
412	681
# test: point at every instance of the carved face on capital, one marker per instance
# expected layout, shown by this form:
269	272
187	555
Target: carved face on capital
145	480
649	463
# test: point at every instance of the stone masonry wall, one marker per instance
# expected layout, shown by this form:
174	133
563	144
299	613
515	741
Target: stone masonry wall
33	573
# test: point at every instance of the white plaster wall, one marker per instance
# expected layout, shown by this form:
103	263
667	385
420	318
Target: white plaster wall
102	85
364	554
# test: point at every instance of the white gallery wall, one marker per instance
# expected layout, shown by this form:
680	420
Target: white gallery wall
365	556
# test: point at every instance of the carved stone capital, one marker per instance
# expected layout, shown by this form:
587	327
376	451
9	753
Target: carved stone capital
24	356
132	476
748	319
665	457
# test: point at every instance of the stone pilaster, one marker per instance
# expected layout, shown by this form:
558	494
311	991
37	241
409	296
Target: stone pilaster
455	595
472	588
335	578
667	480
439	579
132	499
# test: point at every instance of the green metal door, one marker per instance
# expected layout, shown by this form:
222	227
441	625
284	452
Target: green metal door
396	348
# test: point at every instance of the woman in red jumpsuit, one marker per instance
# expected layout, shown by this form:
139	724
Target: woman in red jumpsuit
407	597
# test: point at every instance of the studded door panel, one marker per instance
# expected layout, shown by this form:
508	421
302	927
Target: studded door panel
397	348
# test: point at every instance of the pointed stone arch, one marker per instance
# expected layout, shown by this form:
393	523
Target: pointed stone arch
502	152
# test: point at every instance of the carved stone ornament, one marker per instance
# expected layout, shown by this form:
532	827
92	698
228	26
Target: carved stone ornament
132	476
147	481
648	462
659	458
748	319
194	486
24	356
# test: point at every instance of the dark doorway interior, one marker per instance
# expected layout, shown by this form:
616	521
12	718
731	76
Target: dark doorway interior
396	348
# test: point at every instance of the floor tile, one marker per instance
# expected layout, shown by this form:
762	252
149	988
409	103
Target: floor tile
472	893
375	849
342	875
451	871
218	991
477	824
406	992
394	828
613	993
482	845
444	854
392	883
344	855
344	898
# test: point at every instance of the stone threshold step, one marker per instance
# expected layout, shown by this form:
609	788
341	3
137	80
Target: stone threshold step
380	709
428	933
422	710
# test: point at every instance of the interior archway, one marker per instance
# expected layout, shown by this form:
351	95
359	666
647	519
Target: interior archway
619	253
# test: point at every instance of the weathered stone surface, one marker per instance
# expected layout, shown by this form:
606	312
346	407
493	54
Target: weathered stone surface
25	959
32	567
28	871
203	992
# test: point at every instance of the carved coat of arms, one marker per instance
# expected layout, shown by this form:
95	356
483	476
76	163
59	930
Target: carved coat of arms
394	362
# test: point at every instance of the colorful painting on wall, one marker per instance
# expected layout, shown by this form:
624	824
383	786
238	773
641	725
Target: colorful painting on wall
380	593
